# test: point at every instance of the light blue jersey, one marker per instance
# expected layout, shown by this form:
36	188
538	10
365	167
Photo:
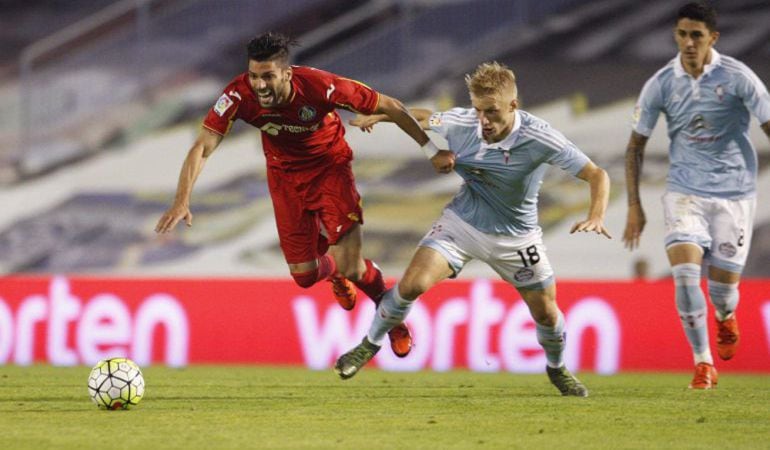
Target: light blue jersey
502	180
708	124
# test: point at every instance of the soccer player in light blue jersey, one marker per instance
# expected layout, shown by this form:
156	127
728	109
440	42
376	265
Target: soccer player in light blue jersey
710	198
502	154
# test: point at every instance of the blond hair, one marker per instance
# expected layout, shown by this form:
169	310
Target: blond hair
491	79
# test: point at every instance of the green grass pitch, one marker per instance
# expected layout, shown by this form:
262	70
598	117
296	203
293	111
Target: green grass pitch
218	407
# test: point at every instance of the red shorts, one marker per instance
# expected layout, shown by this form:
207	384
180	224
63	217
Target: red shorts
307	200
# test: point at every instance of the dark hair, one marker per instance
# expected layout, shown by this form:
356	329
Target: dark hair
701	12
270	46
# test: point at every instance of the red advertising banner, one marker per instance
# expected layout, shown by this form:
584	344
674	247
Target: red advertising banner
481	325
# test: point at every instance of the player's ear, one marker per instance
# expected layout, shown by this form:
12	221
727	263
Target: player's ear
287	74
714	37
514	104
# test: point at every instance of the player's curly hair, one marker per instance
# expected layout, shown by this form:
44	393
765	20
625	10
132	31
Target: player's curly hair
270	46
701	12
491	79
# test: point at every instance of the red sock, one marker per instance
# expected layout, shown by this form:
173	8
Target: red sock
305	279
326	267
371	282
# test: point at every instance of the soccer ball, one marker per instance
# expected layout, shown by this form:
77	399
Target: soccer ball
116	383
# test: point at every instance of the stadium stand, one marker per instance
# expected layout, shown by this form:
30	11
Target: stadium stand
98	197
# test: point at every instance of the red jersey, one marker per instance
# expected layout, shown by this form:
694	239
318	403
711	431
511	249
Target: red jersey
307	131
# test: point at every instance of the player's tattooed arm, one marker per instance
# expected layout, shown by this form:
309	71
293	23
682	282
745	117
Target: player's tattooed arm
635	220
634	160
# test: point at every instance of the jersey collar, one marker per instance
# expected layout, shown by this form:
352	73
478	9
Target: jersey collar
716	60
508	141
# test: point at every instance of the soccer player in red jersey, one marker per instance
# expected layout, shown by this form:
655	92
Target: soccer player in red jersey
317	207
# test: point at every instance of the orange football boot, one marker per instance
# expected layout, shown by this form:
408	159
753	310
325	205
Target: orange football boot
727	337
344	291
400	340
705	377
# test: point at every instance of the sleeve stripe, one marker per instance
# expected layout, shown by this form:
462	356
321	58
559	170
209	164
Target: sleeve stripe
549	140
748	73
459	117
459	123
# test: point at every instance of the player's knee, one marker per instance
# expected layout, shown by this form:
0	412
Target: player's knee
411	287
305	279
686	274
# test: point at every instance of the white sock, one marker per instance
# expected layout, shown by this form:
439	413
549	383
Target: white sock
392	311
553	340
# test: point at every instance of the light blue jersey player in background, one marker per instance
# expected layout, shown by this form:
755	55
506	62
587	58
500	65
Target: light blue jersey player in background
710	198
502	154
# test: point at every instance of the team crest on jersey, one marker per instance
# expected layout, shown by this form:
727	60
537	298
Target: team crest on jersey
523	275
306	113
223	104
720	91
727	249
435	120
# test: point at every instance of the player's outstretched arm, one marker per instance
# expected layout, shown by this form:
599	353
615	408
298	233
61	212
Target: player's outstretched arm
204	145
599	182
365	123
443	160
635	219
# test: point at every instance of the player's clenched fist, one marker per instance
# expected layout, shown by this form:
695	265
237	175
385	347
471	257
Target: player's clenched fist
443	161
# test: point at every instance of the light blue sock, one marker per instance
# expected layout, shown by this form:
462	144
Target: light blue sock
392	311
691	304
553	340
724	297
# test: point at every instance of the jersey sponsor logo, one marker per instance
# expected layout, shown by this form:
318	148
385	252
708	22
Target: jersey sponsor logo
273	129
222	105
306	113
235	94
329	91
727	249
703	139
637	115
523	275
698	122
